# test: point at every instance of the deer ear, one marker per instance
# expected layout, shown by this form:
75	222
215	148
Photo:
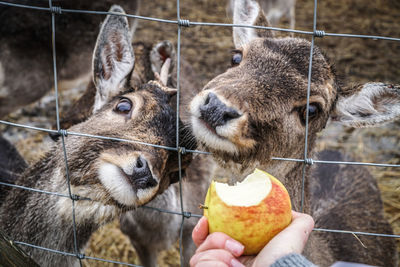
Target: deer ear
368	105
113	57
159	54
248	12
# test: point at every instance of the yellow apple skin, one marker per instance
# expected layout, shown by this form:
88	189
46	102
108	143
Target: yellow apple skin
252	226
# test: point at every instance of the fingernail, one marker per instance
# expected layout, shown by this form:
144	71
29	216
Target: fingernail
236	263
234	247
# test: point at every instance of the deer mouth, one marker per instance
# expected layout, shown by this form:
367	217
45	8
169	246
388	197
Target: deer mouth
216	125
209	138
129	183
209	127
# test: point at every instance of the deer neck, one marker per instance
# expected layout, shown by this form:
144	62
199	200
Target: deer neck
46	220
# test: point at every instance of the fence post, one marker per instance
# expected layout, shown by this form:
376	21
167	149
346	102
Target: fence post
11	255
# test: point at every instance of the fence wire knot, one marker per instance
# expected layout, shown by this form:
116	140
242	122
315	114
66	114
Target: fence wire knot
184	22
56	9
182	150
63	132
80	256
75	197
309	161
187	214
319	33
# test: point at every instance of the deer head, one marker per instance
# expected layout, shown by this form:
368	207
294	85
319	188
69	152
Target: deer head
126	174
257	108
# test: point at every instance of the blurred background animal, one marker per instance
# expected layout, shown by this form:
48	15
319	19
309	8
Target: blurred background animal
26	61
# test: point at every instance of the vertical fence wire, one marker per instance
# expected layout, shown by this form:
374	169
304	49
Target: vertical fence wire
63	133
178	76
54	54
303	176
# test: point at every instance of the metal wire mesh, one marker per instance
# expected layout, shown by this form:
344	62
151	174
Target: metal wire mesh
57	10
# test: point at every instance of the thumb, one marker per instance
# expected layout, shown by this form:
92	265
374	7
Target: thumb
200	231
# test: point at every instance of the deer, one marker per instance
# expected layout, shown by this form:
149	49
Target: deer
25	49
140	224
149	230
274	10
258	110
247	144
109	176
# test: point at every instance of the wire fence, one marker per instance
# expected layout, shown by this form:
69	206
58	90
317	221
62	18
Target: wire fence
59	11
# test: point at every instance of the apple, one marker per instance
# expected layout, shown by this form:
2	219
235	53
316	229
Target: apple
252	211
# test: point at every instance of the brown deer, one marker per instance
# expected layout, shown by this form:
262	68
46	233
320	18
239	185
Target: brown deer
140	224
152	231
327	190
116	176
258	109
25	48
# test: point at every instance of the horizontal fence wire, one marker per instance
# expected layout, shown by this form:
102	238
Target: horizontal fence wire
196	23
56	10
81	256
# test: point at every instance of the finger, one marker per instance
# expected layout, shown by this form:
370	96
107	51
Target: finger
296	234
303	223
210	263
200	231
292	239
219	240
221	256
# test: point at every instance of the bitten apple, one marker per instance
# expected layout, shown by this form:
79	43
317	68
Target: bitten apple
252	212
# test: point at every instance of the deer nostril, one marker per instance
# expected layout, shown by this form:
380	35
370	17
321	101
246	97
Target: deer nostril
230	114
141	176
215	113
207	99
140	163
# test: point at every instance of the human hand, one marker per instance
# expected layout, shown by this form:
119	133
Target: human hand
218	249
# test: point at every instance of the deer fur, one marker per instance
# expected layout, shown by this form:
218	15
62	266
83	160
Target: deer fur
116	176
257	109
25	48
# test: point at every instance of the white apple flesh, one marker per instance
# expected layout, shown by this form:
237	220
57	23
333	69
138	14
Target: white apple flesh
252	211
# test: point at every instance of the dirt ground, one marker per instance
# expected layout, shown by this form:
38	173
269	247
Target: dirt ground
208	51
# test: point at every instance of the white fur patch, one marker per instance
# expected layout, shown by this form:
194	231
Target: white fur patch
115	182
205	136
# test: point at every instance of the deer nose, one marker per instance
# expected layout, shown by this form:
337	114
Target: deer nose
215	112
141	176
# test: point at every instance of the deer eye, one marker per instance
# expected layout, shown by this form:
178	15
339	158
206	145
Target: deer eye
313	110
236	58
124	106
